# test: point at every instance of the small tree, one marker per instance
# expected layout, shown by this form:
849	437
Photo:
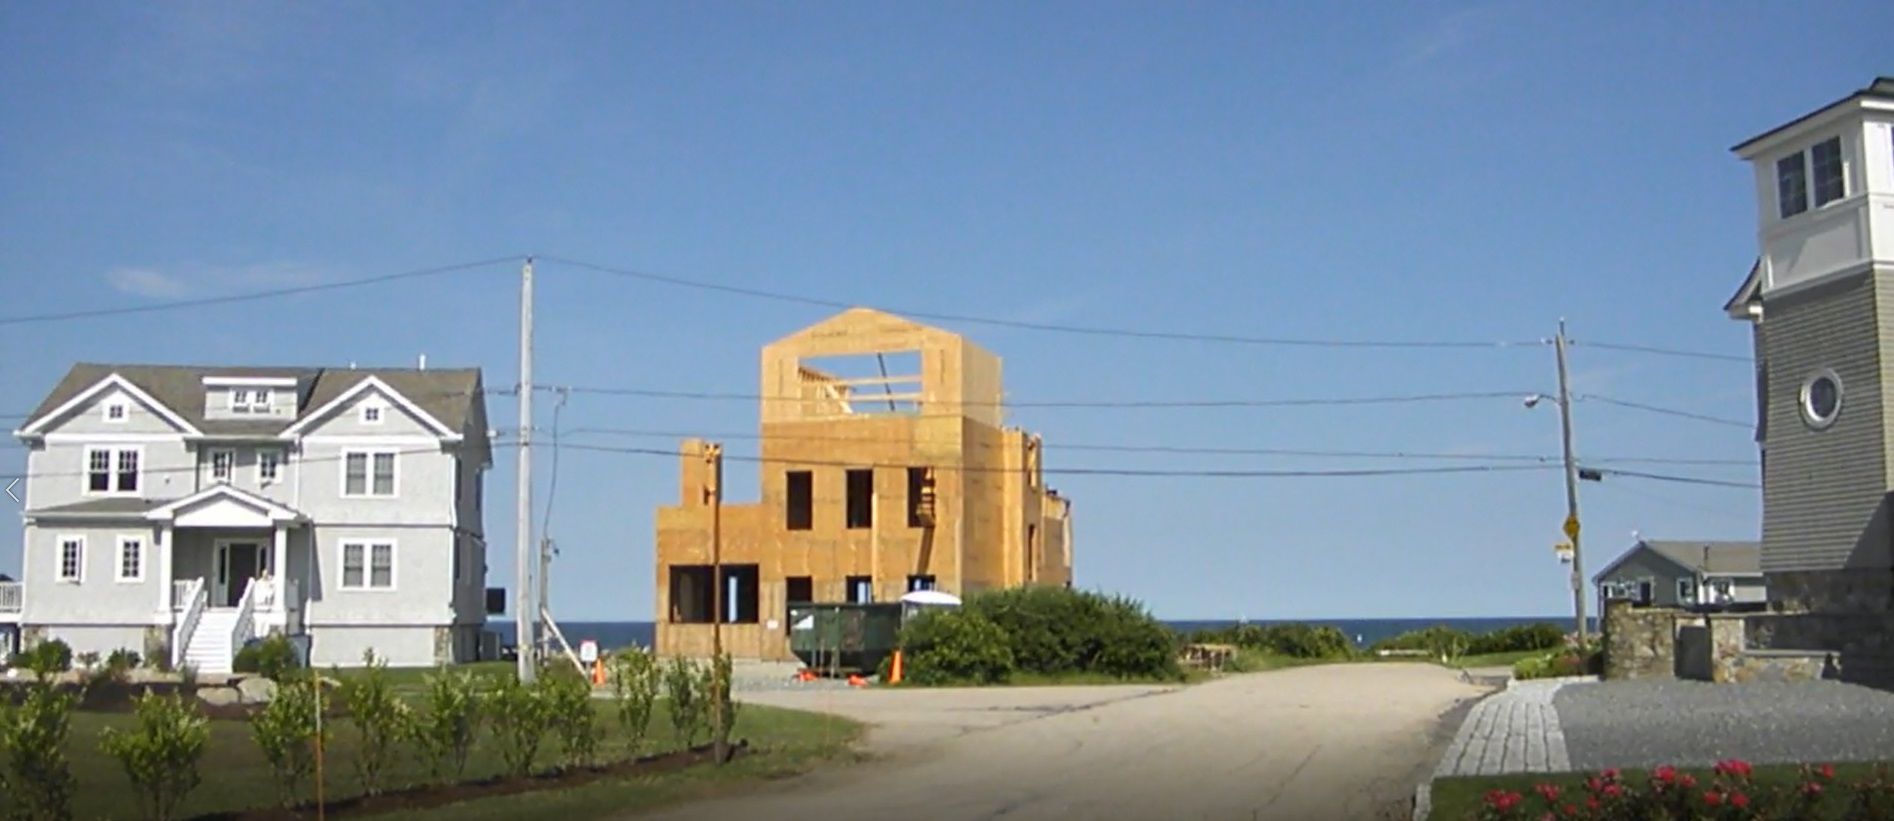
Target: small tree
520	716
684	687
379	717
285	730
38	776
636	680
569	703
161	752
47	659
444	734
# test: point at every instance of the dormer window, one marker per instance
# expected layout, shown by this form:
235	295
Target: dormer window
1818	171
250	400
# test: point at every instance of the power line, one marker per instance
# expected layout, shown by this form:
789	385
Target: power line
1082	471
1665	411
1614	346
195	467
249	297
1185	449
651	393
1085	330
1686	480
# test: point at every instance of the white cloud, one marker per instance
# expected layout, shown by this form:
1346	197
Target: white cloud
146	283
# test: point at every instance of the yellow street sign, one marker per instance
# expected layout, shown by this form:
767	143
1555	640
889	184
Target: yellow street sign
1571	526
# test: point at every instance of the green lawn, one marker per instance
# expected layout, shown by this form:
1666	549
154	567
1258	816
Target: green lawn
1463	797
1496	659
235	777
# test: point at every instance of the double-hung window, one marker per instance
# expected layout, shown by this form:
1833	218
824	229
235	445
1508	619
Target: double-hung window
223	465
269	466
1815	177
72	559
368	565
131	559
250	400
367	473
111	470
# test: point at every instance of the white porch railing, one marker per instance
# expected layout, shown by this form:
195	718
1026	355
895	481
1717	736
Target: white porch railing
12	597
190	606
181	593
244	628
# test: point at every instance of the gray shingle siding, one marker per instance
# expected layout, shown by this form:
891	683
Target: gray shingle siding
1822	488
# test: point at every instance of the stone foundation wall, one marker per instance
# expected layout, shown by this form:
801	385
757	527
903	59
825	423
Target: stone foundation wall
1639	642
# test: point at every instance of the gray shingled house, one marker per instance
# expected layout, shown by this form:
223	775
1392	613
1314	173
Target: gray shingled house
1820	303
185	511
1685	574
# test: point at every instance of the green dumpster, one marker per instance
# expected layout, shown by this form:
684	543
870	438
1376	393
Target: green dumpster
838	639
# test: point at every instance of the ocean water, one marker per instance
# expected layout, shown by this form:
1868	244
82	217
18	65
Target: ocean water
611	634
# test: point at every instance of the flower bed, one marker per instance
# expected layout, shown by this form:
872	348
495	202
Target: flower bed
1730	791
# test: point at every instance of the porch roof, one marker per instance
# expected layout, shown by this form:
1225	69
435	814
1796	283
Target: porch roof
115	507
225	506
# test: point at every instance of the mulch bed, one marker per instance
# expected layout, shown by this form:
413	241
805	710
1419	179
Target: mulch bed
441	795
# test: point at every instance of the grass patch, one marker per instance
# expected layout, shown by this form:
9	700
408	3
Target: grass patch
236	778
1463	797
1495	659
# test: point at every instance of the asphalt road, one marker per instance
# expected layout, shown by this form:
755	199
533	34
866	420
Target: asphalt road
1688	723
1333	742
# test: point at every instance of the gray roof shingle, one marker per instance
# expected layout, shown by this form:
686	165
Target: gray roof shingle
448	394
1735	558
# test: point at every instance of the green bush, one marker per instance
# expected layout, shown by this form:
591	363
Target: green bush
121	662
380	718
286	732
161	752
37	776
956	646
1517	639
690	707
273	658
1056	631
1437	641
520	715
47	658
1295	640
444	734
569	706
636	680
1558	664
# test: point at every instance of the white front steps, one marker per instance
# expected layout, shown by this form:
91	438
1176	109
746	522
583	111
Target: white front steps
209	650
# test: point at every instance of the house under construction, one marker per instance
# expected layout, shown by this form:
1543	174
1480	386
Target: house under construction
886	468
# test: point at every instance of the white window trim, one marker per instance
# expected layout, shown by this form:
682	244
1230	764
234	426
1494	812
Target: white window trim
118	570
1806	154
1805	403
59	560
85	472
380	411
232	475
368	565
124	411
368	484
261	454
1687	589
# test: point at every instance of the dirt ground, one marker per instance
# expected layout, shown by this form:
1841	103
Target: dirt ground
1333	742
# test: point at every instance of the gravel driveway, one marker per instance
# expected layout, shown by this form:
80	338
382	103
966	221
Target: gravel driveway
1647	723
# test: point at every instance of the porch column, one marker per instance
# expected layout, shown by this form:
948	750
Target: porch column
161	557
279	567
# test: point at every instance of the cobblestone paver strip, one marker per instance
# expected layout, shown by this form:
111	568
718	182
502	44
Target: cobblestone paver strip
1514	731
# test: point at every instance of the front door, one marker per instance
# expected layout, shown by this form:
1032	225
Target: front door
237	564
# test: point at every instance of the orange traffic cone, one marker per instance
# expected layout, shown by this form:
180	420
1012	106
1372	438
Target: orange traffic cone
598	673
894	669
855	680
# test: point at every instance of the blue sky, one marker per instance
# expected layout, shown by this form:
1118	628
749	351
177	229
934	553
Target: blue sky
1369	171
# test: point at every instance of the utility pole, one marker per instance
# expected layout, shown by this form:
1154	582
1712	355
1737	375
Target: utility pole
719	739
525	614
1571	489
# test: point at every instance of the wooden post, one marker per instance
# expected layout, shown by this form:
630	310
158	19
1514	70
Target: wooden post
719	736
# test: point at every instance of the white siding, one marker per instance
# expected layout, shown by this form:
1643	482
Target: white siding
423	578
399	646
99	598
101	639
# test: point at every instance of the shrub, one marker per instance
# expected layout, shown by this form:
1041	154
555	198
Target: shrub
1295	640
379	718
273	658
1437	641
718	686
683	686
956	646
121	662
1727	792
520	716
1054	631
285	731
33	735
444	734
636	680
161	752
1518	639
569	705
47	659
1558	664
89	659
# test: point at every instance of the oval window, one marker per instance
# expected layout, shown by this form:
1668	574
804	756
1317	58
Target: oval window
1821	399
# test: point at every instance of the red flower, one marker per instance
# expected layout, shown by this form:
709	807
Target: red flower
1549	792
1739	800
1689	782
1665	774
1811	789
1502	801
1593	804
1614	791
1735	768
1611	774
1713	798
1827	771
1569	810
